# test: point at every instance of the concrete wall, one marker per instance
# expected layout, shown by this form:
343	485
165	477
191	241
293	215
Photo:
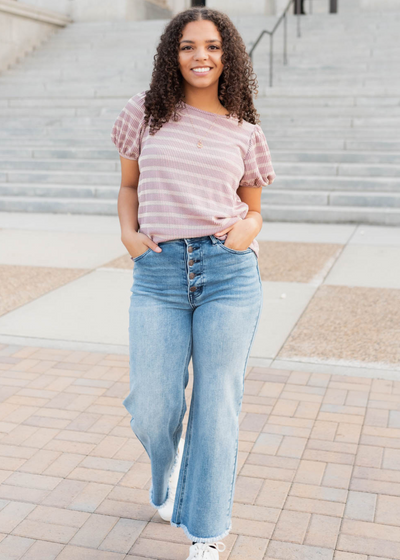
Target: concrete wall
380	5
107	10
59	6
24	27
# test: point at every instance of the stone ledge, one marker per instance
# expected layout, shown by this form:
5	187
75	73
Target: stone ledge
38	14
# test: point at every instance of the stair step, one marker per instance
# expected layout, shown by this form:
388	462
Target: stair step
58	206
335	198
330	214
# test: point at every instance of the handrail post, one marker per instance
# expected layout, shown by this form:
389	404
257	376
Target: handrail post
333	8
298	10
271	58
284	39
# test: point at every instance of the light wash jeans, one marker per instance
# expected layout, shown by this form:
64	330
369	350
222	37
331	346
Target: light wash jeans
196	299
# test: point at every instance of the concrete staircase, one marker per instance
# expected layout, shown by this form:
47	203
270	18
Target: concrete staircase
332	119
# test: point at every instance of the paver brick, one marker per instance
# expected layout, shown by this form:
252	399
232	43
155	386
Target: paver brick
108	447
369	546
137	476
45	531
71	552
273	493
94	531
58	516
292	526
259	513
96	475
64	464
127	509
38	481
82	437
39	462
123	535
90	497
160	549
65	492
12	547
324	430
310	472
42	550
337	475
12	514
134	495
361	506
73	447
323	531
324	507
19	435
249	547
252	528
318	492
22	494
290	551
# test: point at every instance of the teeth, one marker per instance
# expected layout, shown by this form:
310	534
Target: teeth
201	69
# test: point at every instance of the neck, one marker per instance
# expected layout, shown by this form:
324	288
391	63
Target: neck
203	98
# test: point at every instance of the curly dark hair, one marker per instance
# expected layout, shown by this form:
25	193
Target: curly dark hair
236	83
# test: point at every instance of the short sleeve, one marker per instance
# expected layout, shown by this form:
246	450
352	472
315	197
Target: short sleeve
258	170
127	130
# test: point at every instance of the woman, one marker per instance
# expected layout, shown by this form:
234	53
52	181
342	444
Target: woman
193	161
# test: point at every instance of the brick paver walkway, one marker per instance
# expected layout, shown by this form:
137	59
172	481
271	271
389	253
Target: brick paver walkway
318	474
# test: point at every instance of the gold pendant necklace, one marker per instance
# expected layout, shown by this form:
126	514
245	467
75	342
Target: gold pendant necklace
199	142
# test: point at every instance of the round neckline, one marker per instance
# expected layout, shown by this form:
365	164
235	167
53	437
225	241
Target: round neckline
206	112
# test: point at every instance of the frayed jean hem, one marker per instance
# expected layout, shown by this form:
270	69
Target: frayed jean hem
151	499
202	539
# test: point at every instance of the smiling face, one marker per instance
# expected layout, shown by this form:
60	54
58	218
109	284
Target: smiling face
200	52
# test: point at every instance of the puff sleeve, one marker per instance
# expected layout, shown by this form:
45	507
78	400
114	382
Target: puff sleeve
258	170
128	128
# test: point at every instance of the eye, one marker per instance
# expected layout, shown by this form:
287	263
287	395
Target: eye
189	47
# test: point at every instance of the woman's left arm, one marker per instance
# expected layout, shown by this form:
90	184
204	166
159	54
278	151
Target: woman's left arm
242	232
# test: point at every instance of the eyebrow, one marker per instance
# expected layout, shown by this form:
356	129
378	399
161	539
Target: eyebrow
208	41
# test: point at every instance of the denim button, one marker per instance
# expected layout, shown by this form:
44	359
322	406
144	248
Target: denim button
191	263
190	249
192	275
193	288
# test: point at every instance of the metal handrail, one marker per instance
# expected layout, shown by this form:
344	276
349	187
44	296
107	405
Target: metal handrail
271	37
333	9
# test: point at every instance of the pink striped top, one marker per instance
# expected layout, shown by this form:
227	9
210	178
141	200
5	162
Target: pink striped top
186	191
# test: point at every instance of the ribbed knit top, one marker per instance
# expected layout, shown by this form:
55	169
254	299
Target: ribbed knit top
185	191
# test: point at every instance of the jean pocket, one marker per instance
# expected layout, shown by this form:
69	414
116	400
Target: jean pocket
135	259
230	250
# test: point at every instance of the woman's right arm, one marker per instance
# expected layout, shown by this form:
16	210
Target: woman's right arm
128	205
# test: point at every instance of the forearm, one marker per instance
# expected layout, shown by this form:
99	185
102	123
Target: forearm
128	205
256	219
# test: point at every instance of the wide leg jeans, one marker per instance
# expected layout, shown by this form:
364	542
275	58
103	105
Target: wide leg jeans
198	300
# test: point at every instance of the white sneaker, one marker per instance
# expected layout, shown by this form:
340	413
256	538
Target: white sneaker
204	551
166	510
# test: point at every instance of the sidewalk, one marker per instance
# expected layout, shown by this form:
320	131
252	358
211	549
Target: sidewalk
319	460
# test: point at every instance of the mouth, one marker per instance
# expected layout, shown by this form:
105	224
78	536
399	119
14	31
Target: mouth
201	70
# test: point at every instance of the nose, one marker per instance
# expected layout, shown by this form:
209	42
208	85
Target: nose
200	54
